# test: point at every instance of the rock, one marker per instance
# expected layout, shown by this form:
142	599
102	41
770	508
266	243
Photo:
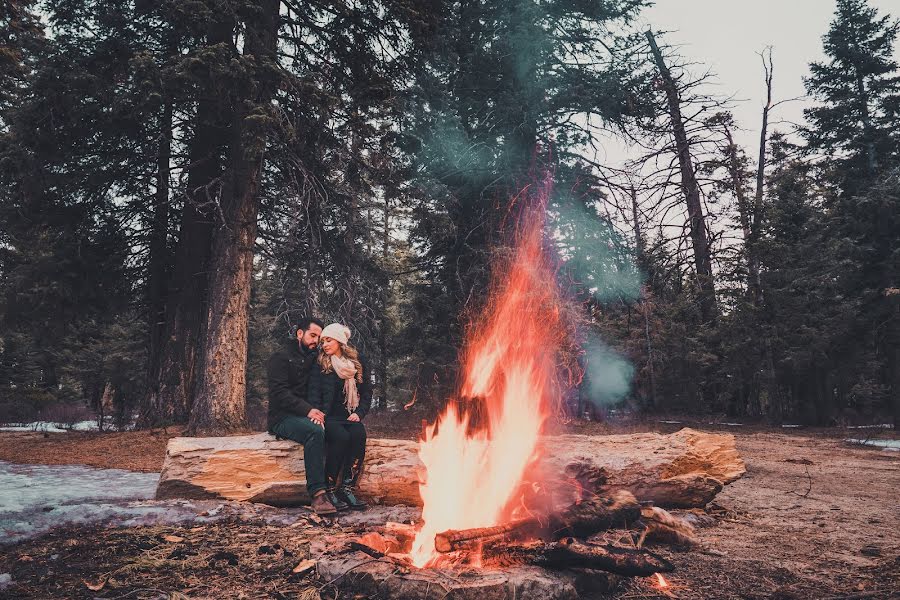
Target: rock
679	470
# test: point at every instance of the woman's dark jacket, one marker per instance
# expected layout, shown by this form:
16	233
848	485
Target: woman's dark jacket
289	371
326	392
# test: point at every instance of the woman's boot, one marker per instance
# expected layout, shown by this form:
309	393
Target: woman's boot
331	493
345	490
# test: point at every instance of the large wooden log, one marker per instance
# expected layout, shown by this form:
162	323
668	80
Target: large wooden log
684	469
259	468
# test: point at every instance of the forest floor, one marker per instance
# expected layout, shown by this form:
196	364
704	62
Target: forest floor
813	517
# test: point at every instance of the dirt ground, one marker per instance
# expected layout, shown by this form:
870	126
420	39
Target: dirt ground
812	518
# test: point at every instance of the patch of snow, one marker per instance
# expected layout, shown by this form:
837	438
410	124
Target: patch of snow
729	424
56	427
790	426
670	422
5	581
32	497
882	426
37	498
888	445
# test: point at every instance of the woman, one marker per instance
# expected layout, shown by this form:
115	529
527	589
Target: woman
340	387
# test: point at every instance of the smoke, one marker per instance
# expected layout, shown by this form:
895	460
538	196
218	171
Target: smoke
595	260
607	374
596	267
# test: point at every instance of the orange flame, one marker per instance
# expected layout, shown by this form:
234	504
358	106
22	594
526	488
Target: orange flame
477	452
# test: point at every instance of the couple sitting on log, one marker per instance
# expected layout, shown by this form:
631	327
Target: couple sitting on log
319	392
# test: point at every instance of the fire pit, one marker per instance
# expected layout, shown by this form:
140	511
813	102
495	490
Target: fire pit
513	560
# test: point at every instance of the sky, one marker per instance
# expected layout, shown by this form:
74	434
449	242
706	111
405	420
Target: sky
726	35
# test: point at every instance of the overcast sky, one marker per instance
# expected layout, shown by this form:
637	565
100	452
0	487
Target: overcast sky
726	35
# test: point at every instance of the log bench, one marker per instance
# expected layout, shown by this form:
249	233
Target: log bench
681	470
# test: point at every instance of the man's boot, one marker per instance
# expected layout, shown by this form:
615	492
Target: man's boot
322	506
345	490
332	496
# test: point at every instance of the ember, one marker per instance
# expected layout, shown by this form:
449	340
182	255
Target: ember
477	452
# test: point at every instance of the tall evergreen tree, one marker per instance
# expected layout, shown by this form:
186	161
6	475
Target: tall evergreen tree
858	91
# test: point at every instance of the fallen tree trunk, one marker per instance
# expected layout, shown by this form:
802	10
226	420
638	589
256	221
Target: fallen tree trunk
683	469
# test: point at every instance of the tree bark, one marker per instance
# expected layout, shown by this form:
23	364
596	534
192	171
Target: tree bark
697	221
221	390
159	256
170	399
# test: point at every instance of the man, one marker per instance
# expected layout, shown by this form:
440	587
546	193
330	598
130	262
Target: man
291	416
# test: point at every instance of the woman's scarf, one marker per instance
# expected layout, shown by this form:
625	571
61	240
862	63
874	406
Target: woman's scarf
346	370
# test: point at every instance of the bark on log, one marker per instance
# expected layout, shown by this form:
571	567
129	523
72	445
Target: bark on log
683	469
569	553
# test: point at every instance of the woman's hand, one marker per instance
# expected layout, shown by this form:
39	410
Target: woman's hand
353	418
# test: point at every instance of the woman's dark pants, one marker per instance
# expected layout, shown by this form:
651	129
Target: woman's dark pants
345	444
304	431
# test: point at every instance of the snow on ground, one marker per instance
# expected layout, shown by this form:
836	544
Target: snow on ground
51	427
56	427
37	498
888	445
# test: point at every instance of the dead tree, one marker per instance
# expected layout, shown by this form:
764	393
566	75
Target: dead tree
690	187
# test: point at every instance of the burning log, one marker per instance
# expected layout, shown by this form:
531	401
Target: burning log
569	553
583	519
465	539
596	514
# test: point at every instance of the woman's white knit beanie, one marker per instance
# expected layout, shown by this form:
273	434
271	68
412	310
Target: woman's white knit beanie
338	332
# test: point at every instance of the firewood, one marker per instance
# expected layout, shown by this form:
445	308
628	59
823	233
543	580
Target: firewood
569	552
451	540
581	520
596	514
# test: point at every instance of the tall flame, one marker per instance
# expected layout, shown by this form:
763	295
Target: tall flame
476	456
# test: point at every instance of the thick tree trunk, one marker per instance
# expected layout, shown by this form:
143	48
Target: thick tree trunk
171	398
221	391
697	221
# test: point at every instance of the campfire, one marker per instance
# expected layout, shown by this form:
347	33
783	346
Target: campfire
486	504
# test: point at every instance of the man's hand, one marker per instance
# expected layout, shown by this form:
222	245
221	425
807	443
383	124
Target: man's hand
353	418
317	417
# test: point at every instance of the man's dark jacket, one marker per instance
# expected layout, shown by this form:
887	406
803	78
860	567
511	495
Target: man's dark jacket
326	392
288	381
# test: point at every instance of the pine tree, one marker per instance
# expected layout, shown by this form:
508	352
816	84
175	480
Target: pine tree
858	90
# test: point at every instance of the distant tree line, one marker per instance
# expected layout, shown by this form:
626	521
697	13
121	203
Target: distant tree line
181	182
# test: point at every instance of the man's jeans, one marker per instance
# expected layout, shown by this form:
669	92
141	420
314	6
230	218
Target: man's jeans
304	431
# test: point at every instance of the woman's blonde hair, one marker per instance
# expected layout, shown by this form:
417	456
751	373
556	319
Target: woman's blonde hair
348	351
